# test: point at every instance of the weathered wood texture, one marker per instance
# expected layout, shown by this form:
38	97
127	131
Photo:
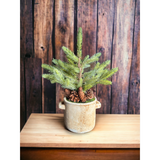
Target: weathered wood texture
122	54
26	33
104	45
111	27
22	95
79	154
87	19
134	89
33	79
64	36
43	47
26	50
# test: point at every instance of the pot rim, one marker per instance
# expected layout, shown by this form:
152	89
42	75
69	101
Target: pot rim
80	103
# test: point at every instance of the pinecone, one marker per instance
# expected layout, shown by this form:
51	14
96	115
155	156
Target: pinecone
81	94
67	92
84	99
90	94
74	96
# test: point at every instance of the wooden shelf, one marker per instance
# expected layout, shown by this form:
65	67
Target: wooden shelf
111	131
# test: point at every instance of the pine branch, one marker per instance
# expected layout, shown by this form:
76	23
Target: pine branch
109	73
51	69
80	83
67	74
104	82
55	61
79	43
70	54
70	74
70	61
79	54
91	80
86	87
64	82
68	67
86	66
97	65
99	68
63	68
85	58
103	65
94	81
48	67
69	85
94	58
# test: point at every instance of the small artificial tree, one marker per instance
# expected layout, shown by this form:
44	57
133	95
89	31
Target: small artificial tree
72	77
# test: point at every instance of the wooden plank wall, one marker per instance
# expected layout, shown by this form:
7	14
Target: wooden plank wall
122	53
26	51
111	27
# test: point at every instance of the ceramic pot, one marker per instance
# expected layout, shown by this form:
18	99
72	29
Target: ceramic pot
80	117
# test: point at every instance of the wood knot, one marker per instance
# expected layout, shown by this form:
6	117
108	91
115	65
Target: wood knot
42	48
62	27
27	55
102	50
135	82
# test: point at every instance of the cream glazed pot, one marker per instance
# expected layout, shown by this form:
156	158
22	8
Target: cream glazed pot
80	117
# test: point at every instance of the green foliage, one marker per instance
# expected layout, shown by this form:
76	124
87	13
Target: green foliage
71	74
70	54
90	100
79	43
80	83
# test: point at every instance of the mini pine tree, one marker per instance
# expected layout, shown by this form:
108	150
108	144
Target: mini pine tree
72	77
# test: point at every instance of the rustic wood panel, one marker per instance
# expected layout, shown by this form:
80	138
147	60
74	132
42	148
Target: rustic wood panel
64	36
134	94
78	154
26	33
104	45
122	54
22	95
43	47
26	50
87	19
33	80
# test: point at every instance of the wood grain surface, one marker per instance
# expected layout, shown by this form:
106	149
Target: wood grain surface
22	95
134	92
26	33
111	131
26	50
122	54
104	45
64	36
43	47
87	19
79	154
33	76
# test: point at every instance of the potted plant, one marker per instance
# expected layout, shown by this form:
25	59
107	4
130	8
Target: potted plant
80	104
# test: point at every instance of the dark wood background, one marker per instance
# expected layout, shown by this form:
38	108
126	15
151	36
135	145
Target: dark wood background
111	27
